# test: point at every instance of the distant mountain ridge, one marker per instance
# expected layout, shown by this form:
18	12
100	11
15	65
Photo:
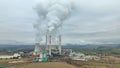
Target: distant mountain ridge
13	43
92	45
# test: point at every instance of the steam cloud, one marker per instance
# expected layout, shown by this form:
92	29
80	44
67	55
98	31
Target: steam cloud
52	14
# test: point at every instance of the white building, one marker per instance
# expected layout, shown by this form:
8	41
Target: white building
83	57
77	56
16	55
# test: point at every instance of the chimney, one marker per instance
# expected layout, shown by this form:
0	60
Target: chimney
50	43
47	47
59	47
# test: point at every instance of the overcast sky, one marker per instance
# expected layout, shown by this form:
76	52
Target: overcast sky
91	21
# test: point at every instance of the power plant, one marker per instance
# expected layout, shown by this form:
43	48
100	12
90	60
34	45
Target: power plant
52	15
50	48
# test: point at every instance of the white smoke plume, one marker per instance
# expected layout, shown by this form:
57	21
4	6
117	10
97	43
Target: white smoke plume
52	14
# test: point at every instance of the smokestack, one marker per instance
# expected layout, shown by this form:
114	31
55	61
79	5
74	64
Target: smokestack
50	44
47	42
59	47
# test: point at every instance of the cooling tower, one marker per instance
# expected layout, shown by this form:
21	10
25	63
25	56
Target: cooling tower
37	49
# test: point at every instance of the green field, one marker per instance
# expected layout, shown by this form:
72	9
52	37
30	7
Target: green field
103	50
4	65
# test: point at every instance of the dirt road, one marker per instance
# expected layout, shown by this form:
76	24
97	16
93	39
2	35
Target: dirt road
46	65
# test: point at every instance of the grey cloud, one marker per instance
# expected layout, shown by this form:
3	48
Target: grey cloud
91	21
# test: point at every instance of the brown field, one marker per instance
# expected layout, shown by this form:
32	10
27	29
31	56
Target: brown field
45	65
105	62
11	60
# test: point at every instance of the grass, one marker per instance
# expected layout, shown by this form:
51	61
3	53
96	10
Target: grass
4	65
